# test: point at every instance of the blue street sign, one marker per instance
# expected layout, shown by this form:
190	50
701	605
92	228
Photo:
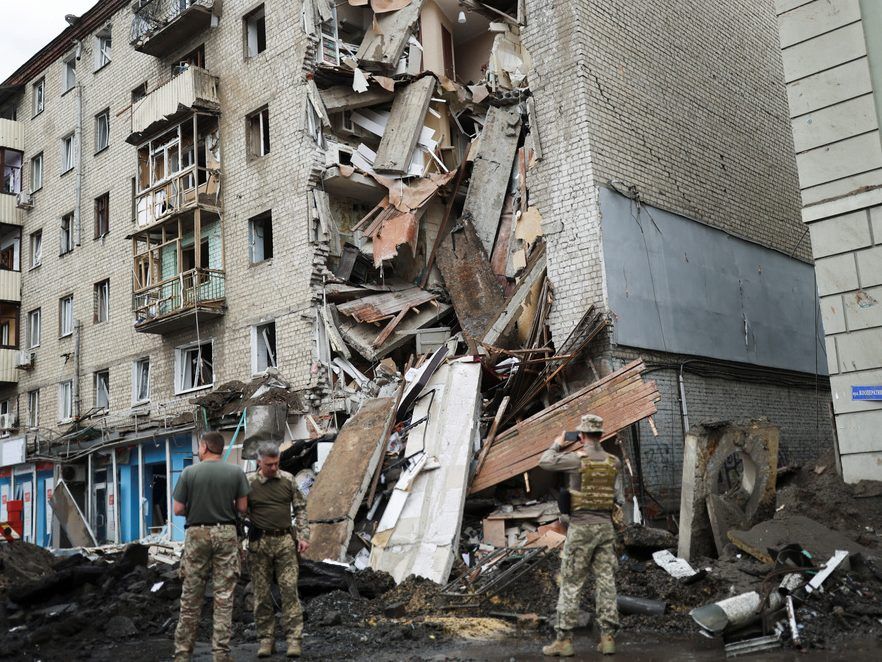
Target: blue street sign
866	392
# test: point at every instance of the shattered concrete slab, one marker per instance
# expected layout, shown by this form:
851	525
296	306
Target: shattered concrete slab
424	539
404	126
385	41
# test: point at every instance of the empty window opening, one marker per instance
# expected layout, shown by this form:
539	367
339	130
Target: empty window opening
260	230
102	301
66	234
139	92
102	215
10	170
263	343
258	133
102	389
141	380
69	76
195	367
255	32
103	43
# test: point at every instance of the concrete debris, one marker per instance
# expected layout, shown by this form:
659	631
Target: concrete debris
674	566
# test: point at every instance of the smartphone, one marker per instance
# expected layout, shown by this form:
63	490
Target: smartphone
571	436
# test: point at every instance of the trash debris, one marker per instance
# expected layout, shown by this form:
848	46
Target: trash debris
674	566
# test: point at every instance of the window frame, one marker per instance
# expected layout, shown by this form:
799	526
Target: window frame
36	237
69	65
102	225
41	86
181	353
65	248
37	158
254	17
98	377
68	154
259	143
257	337
61	316
65	401
33	419
262	218
103	57
16	176
101	289
136	380
104	114
35	314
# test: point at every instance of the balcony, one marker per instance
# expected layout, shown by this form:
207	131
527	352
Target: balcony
173	304
8	363
12	135
192	90
159	27
188	189
10	285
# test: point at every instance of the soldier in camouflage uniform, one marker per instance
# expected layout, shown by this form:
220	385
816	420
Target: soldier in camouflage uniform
209	494
594	483
274	547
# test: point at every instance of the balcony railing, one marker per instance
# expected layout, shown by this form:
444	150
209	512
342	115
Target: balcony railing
10	285
191	187
195	290
159	26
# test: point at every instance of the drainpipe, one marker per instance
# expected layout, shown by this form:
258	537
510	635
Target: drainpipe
79	137
76	383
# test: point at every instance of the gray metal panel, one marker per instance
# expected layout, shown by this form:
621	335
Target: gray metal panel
680	286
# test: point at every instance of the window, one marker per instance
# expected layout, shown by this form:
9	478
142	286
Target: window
258	133
195	58
33	409
103	43
102	130
35	319
102	301
9	325
65	401
69	75
263	347
102	389
194	367
141	381
66	236
68	153
260	237
36	248
37	172
102	215
65	316
38	96
139	92
255	32
8	111
10	170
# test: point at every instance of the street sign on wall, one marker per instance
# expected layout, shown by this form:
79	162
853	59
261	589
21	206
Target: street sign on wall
866	392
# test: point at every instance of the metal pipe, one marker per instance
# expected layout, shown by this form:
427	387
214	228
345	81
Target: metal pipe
115	497
34	503
791	617
79	138
168	489
141	527
684	415
76	381
629	605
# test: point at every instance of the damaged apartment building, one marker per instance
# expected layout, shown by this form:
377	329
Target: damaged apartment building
209	207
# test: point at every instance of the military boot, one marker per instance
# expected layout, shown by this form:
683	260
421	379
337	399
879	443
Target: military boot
294	648
607	645
266	648
560	647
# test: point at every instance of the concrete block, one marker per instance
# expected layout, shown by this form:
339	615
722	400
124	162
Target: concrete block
829	87
842	159
822	52
863	308
840	387
859	432
841	234
860	350
861	466
832	314
828	125
869	264
836	274
832	356
816	18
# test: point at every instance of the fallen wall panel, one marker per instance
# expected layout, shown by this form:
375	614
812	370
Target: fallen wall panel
404	126
71	517
385	46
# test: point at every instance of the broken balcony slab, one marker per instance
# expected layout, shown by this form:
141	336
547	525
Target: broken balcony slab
383	47
361	336
344	479
424	538
621	399
341	97
491	172
813	536
343	181
404	126
706	452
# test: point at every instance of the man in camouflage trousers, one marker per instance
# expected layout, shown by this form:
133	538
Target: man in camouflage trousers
594	483
274	547
210	494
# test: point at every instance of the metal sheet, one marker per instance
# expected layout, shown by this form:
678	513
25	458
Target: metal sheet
65	508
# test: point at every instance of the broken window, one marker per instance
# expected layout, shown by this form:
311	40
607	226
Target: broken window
260	237
329	46
33	408
139	92
37	172
35	323
66	234
263	347
102	130
255	32
102	389
103	42
65	401
102	215
65	316
102	301
314	124
38	96
195	367
69	75
258	133
195	58
36	248
10	168
68	153
141	381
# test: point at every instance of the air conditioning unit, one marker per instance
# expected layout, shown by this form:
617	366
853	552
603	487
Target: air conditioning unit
24	200
73	473
25	360
7	421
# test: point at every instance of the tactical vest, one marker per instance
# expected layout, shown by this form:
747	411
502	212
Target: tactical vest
597	490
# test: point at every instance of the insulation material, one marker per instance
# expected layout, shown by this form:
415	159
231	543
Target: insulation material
509	60
424	539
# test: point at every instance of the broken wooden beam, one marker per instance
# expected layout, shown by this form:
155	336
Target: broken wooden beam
384	47
404	126
514	306
621	398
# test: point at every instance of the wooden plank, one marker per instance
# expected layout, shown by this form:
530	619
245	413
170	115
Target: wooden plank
512	310
384	47
491	436
491	172
404	126
621	398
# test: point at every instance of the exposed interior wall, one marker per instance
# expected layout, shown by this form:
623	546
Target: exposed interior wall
432	20
472	56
